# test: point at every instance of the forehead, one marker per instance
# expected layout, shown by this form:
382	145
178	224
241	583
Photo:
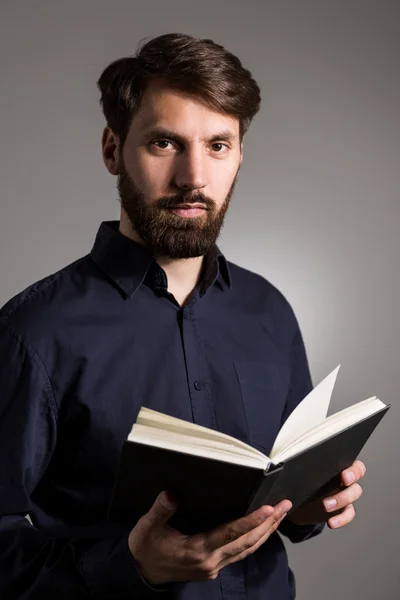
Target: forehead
162	106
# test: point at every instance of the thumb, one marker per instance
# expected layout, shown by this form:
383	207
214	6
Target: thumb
162	510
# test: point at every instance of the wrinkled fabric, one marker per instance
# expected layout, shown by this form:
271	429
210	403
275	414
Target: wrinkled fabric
80	352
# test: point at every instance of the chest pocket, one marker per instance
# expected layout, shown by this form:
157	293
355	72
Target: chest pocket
264	387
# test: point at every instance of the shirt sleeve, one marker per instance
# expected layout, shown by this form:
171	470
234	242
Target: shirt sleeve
33	564
300	386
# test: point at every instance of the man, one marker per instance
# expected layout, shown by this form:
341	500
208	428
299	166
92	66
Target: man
155	316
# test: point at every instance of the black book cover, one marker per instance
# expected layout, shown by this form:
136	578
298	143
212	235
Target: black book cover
210	492
315	473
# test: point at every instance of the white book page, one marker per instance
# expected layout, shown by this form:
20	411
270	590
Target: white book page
143	433
331	426
189	445
340	417
311	411
157	420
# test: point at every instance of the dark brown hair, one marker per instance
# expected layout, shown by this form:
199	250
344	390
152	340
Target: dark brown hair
198	67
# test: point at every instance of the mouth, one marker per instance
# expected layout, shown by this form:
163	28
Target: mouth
189	210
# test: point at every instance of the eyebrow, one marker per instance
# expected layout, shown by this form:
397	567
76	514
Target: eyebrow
162	132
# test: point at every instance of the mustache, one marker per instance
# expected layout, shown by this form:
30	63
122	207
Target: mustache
180	199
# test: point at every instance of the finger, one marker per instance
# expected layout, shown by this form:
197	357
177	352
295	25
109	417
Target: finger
343	498
224	534
361	466
344	518
353	473
248	540
162	510
249	547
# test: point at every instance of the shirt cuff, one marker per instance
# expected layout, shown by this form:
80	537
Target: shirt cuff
110	571
299	533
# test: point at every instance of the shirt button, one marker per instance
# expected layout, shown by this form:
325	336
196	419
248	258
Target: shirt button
199	385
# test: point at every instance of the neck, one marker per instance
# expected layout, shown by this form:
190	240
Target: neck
182	273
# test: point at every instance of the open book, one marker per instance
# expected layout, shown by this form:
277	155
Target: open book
216	478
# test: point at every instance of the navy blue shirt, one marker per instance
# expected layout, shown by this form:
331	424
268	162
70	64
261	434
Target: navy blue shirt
80	352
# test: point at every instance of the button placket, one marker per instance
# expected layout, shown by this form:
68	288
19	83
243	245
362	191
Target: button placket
196	375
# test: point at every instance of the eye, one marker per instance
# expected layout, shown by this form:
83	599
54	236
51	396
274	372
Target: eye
155	142
220	146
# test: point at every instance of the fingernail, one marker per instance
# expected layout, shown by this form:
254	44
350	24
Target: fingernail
286	507
330	503
349	477
334	522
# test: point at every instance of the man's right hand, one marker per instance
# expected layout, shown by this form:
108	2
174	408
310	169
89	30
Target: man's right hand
163	554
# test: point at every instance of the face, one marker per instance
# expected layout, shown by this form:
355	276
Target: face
176	172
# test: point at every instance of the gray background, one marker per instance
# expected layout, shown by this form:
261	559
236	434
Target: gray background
316	209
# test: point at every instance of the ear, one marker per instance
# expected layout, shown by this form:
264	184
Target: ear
110	150
241	152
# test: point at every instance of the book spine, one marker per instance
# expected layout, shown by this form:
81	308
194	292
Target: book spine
264	486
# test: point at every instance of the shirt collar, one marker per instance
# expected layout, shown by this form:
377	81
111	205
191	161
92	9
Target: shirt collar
128	263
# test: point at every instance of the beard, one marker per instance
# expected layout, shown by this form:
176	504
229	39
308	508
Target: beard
166	233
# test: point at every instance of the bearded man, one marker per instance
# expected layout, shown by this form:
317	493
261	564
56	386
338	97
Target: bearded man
154	316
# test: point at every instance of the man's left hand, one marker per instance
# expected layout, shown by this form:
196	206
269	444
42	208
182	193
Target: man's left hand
340	503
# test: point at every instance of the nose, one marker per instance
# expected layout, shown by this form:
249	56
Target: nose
190	171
